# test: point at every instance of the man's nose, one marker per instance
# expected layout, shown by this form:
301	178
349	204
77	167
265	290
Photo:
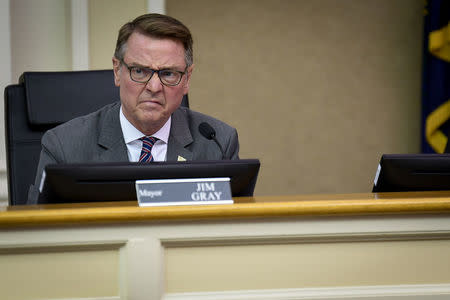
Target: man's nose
154	84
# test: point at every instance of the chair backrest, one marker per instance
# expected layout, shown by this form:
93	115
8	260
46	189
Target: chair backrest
41	101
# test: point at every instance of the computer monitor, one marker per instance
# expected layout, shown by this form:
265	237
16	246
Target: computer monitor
99	182
412	172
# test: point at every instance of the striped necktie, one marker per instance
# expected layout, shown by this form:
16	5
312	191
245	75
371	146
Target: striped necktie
146	152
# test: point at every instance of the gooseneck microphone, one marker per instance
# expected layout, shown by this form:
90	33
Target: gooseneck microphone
208	132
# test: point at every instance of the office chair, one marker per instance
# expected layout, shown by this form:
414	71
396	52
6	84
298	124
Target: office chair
41	101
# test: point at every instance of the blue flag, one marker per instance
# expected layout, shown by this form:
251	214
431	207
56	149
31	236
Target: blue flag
436	78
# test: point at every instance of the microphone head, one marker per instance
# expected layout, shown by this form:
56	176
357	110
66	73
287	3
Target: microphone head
206	130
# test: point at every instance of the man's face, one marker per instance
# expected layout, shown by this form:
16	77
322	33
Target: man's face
149	106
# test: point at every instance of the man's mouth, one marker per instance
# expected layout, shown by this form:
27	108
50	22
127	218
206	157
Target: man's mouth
151	101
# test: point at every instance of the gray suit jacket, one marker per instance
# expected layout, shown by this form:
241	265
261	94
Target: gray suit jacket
98	137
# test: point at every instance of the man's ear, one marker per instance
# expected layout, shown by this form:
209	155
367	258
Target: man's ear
116	69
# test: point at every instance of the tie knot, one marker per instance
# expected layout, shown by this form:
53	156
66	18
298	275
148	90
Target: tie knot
148	141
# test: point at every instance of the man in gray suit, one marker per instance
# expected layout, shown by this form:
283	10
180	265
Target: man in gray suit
153	64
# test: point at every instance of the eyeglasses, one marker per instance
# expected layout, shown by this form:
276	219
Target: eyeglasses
166	76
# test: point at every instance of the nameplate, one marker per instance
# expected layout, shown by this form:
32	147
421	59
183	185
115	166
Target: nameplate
197	191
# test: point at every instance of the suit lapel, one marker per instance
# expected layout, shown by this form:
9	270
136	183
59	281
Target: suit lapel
180	137
111	142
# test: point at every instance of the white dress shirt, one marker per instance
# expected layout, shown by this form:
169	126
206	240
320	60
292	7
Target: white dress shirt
132	135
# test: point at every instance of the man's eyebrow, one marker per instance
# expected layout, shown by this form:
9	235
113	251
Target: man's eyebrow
172	67
134	64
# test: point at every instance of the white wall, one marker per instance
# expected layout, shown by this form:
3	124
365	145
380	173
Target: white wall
40	39
5	79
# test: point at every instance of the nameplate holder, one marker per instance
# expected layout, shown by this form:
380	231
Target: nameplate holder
190	191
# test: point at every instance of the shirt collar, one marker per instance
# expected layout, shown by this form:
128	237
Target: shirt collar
130	133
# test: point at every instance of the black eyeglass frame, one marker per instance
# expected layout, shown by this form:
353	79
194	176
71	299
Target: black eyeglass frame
153	72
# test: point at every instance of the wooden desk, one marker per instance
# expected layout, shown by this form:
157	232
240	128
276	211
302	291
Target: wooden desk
281	247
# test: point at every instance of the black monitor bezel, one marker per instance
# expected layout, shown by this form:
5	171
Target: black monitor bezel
412	172
115	181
